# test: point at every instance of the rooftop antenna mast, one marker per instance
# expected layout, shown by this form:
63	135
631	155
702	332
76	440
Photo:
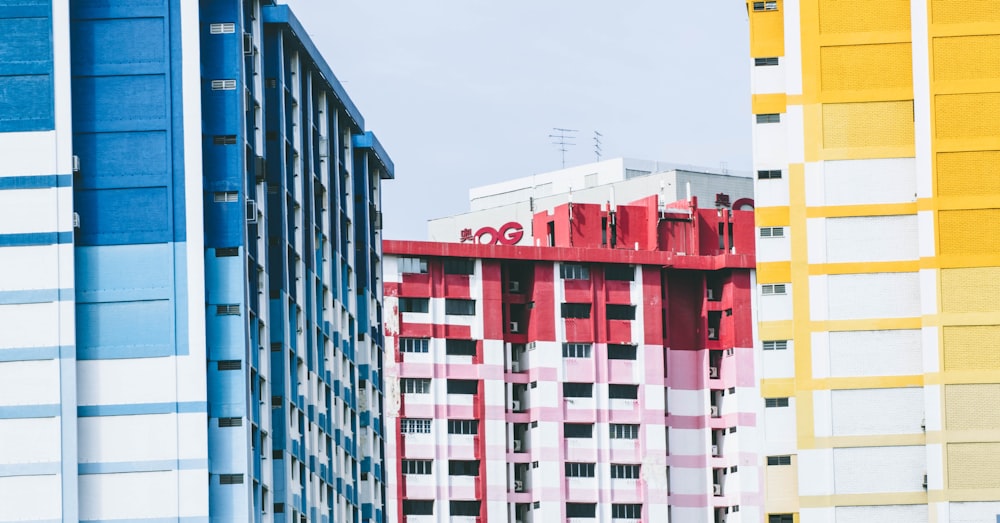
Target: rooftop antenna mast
561	138
597	144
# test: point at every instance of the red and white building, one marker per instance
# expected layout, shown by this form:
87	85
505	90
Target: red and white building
602	372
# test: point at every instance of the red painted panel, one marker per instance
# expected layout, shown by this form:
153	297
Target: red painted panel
541	317
436	330
493	317
743	232
579	330
456	286
686	319
619	292
579	291
652	306
742	314
619	331
416	286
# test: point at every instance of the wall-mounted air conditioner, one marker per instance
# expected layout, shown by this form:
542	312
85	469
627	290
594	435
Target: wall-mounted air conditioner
713	372
713	334
716	489
517	445
710	293
715	450
515	405
76	164
515	366
714	411
515	327
514	286
518	485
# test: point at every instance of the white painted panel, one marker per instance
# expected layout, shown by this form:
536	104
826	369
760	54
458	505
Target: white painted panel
927	245
774	249
27	211
817	515
815	472
136	495
875	353
29	382
877	295
30	498
870	470
688	480
822	414
871	238
138	380
853	182
31	440
795	145
793	49
883	514
816	233
769	142
775	307
127	438
29	268
973	512
29	154
779	429
688	442
687	402
767	79
863	412
778	363
771	193
29	325
192	441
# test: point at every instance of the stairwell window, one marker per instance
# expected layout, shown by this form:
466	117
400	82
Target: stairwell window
415	426
623	431
776	345
576	350
623	471
580	470
415	385
769	118
770	60
417	467
772	232
773	461
468	427
772	289
775	402
769	174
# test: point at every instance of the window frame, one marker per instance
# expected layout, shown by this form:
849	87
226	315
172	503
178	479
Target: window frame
574	311
625	470
415	425
575	469
574	349
404	264
771	232
459	307
619	272
416	467
415	385
463	467
623	431
623	391
414	345
766	118
461	386
620	311
410	302
581	510
452	504
458	347
409	506
463	427
574	271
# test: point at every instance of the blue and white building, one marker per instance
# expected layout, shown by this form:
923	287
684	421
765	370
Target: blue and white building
190	274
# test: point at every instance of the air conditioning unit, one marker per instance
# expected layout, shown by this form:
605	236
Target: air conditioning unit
515	405
377	220
76	220
260	168
515	366
76	164
514	286
715	450
515	327
251	211
717	489
712	333
713	372
714	411
517	445
530	346
710	294
247	43
925	481
518	485
324	147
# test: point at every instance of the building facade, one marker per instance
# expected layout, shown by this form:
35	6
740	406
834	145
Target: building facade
876	141
606	374
190	293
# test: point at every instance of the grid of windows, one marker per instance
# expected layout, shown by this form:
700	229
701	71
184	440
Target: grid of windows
621	351
463	426
415	425
457	307
581	510
578	430
619	273
768	118
580	470
770	60
776	345
620	312
421	467
460	347
772	288
779	460
626	511
574	271
415	385
576	350
772	232
418	507
414	304
578	390
412	265
463	386
575	310
463	467
459	266
625	471
623	392
420	345
623	431
769	174
775	402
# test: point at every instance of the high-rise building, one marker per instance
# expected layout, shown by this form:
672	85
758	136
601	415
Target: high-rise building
602	371
876	147
190	321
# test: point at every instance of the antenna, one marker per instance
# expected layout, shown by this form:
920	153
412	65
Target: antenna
560	139
597	144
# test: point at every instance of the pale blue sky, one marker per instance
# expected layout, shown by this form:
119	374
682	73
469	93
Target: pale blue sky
465	92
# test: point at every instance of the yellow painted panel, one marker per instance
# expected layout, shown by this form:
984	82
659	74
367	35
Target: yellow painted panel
967	58
771	216
970	290
769	103
862	67
774	272
975	115
767	33
973	465
782	487
974	231
971	347
871	124
970	173
964	11
863	16
972	407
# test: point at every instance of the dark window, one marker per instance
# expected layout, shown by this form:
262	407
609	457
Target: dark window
618	351
769	174
578	430
460	347
581	510
222	252
770	60
464	508
768	118
230	479
417	466
776	402
619	272
625	471
623	431
414	344
418	507
780	518
580	470
578	390
576	350
459	266
576	310
463	426
230	422
463	386
229	365
463	467
412	265
623	392
779	460
626	511
574	271
621	312
460	307
414	304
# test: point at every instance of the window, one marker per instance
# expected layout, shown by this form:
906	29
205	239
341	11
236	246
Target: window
576	350
414	304
772	288
420	467
463	467
580	470
578	390
623	431
415	385
463	426
780	518
418	507
576	310
626	511
772	232
775	402
460	347
619	351
769	174
227	310
771	60
619	272
414	345
776	345
463	386
459	266
574	271
771	5
578	430
415	426
457	307
581	510
620	312
464	508
619	471
768	118
778	460
413	265
228	196
623	392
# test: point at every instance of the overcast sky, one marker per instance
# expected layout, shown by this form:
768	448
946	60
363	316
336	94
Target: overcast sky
465	92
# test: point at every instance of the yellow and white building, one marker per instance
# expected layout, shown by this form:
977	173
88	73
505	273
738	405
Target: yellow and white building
877	151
